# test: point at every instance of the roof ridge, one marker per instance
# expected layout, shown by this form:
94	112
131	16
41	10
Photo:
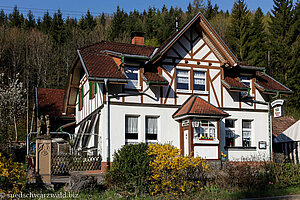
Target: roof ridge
120	43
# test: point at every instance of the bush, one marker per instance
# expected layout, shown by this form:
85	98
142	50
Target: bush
241	175
12	176
130	169
283	174
174	173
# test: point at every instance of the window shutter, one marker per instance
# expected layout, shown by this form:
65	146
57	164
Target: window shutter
79	106
82	97
90	93
95	88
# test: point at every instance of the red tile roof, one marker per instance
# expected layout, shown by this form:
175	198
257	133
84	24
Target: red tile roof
124	48
155	78
101	65
232	83
197	106
269	84
50	101
280	124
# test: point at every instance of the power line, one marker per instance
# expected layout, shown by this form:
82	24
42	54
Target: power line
43	11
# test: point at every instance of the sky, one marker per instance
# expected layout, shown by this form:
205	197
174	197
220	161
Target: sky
77	8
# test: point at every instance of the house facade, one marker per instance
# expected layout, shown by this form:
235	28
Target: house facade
190	92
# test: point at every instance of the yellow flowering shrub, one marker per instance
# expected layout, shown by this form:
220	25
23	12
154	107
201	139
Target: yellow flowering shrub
12	176
174	173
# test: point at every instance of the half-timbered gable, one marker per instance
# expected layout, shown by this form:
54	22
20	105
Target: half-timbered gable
191	92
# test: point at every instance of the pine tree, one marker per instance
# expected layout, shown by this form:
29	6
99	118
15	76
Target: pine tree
57	29
3	18
257	41
87	23
280	26
46	23
294	73
239	30
118	25
15	18
30	22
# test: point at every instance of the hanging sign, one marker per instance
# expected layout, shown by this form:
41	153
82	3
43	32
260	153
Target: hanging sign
278	111
277	106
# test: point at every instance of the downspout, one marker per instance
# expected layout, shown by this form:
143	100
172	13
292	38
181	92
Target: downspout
108	126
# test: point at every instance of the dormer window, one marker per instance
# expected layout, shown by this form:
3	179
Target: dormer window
247	81
133	76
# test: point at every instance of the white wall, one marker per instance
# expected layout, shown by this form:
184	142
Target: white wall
260	132
168	128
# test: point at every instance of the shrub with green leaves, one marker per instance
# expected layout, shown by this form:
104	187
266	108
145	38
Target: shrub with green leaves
130	169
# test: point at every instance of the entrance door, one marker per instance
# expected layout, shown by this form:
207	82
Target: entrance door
186	142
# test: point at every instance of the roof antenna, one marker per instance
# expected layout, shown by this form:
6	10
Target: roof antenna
176	24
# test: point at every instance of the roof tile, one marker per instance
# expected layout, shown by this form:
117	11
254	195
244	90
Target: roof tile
50	101
266	82
125	48
195	105
155	77
101	65
280	124
232	83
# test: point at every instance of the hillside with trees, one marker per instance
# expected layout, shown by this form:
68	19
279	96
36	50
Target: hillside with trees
37	52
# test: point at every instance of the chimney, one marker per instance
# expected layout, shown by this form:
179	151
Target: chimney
137	38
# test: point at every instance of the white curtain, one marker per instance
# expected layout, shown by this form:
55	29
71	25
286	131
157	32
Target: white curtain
199	81
246	134
152	125
183	80
132	125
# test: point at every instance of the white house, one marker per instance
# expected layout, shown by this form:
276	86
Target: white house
190	92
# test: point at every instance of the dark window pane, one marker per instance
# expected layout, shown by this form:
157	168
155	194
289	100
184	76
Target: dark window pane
229	123
183	86
151	136
131	136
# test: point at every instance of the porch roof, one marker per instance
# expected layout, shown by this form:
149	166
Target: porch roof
196	106
267	84
233	84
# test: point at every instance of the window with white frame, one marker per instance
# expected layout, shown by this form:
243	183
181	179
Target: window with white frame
199	80
247	81
229	132
246	132
183	79
133	77
204	130
131	128
151	128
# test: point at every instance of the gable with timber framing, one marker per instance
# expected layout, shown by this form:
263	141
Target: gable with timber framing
199	60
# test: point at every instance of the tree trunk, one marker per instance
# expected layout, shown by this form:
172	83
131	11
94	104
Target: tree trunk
16	130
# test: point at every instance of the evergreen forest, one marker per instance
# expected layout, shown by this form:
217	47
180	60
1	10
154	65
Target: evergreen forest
37	52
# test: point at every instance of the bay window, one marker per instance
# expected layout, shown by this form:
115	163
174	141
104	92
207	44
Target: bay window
204	130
